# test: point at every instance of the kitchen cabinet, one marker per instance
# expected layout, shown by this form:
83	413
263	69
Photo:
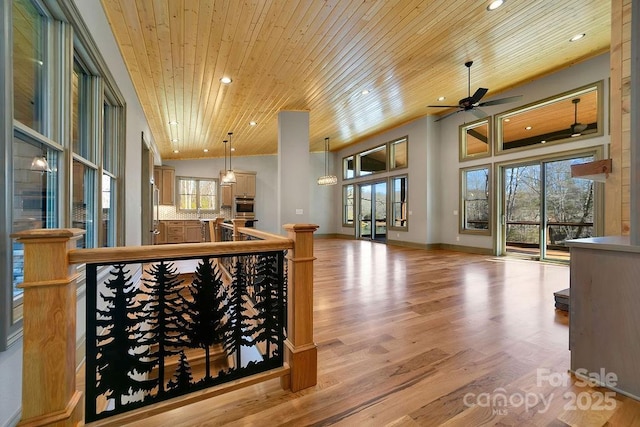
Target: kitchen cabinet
245	184
175	231
226	194
164	178
179	231
161	237
192	231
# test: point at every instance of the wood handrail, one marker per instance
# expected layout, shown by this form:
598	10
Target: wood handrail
175	251
260	234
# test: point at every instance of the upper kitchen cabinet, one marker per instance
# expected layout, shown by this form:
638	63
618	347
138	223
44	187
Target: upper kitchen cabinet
245	184
164	178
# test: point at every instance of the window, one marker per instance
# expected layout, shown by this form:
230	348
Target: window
30	68
475	140
399	157
347	203
372	161
108	232
474	200
348	168
399	197
197	194
570	116
58	111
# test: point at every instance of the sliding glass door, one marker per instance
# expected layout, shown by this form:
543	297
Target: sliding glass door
543	206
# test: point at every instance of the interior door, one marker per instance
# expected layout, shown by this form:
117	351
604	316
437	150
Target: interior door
372	211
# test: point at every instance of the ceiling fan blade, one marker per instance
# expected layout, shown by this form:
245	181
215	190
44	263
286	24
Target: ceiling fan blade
500	101
478	113
479	94
447	115
444	106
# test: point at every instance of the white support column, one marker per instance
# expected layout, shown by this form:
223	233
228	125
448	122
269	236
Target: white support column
293	167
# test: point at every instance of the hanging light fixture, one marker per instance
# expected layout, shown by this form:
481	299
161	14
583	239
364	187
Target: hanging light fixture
40	164
230	176
327	179
223	181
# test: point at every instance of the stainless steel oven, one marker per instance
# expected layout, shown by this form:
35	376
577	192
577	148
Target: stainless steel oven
244	207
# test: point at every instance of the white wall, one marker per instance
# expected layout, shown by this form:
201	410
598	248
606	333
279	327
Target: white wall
570	78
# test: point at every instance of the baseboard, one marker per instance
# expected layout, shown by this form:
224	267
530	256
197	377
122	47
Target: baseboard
334	236
14	419
425	246
466	249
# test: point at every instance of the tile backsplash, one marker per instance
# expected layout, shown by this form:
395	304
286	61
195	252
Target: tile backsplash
167	212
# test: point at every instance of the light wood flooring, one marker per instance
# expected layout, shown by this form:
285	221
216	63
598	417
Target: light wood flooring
408	337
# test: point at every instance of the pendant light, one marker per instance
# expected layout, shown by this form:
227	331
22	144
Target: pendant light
223	181
327	179
40	164
230	176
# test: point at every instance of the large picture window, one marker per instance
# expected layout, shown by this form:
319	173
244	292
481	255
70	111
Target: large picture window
197	194
475	200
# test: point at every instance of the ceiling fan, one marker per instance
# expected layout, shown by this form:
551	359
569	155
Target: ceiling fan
576	128
472	103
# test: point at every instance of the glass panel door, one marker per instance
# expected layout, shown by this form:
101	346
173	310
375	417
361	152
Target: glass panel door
543	207
568	207
522	201
373	211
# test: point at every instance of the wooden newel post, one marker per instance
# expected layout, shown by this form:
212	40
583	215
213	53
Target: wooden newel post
237	223
218	230
49	395
300	350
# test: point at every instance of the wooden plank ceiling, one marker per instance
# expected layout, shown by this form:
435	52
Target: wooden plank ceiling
320	55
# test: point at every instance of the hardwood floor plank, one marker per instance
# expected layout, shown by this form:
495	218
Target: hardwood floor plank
405	334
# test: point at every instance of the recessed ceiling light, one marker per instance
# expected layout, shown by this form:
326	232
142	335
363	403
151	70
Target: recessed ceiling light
507	120
174	140
495	4
176	151
233	148
577	37
528	128
225	80
206	150
441	98
543	142
252	123
365	92
173	122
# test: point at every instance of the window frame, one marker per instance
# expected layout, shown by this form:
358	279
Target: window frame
345	222
499	118
356	160
197	181
462	135
462	212
391	191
